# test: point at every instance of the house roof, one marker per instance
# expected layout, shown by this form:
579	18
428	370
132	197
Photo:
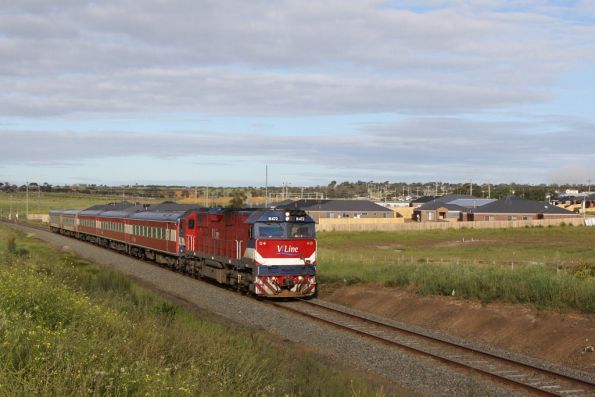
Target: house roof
517	205
338	205
423	199
472	202
434	205
454	202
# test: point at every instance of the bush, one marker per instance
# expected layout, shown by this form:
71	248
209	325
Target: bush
68	327
540	285
11	245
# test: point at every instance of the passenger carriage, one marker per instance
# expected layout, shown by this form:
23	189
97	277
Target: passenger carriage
266	252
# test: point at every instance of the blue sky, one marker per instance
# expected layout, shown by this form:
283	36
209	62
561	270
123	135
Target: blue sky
196	93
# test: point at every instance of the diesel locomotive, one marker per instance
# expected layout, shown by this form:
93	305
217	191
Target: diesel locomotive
266	252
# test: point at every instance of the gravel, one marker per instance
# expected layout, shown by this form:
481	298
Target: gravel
483	347
404	374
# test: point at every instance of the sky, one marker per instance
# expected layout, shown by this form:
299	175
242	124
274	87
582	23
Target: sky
210	92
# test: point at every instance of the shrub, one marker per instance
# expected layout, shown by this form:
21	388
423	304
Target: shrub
68	327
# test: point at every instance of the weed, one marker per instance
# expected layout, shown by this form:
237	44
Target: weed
69	327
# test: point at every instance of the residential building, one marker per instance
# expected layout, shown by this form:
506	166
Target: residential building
515	208
318	209
451	208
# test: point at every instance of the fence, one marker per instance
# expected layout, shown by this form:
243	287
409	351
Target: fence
39	217
331	225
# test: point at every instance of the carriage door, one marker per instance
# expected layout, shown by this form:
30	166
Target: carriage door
191	226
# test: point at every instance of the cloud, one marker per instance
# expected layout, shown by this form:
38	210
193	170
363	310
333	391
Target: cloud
427	148
282	58
572	173
224	92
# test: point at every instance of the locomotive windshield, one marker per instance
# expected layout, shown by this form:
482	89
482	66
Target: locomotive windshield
264	230
283	230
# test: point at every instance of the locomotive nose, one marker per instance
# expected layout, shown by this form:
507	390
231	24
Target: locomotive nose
288	282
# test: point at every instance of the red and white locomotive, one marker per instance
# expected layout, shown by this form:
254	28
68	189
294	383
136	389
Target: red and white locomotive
268	252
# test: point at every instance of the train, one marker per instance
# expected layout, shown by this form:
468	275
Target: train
266	252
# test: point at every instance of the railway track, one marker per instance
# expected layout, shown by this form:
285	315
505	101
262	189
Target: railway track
535	379
538	380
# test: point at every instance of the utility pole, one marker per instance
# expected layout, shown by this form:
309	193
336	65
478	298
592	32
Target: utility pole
471	189
207	197
27	201
489	191
266	187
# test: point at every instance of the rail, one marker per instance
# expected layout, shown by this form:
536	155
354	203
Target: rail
534	378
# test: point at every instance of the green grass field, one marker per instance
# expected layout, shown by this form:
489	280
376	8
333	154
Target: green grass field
69	327
42	203
547	267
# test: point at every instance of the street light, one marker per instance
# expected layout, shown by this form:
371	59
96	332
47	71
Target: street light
27	201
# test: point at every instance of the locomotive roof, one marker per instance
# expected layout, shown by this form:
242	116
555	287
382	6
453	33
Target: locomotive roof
265	215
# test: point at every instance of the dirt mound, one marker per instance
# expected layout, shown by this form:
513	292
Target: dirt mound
560	338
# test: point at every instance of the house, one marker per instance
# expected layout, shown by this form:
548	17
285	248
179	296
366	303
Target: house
451	208
421	201
318	209
516	208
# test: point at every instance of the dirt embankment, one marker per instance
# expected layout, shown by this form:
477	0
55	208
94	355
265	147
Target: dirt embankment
560	338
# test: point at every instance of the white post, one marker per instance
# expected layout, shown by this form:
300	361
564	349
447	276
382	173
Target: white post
266	187
27	202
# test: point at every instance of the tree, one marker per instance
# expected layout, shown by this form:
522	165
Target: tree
237	199
537	194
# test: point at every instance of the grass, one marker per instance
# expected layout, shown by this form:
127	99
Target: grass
69	327
547	267
555	245
42	203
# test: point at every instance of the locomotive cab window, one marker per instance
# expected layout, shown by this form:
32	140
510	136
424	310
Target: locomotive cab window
300	230
268	230
283	230
191	224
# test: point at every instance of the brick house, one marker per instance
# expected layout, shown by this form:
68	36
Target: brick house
318	209
515	208
449	208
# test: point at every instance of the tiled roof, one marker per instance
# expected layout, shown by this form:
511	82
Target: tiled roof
453	202
517	205
338	205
